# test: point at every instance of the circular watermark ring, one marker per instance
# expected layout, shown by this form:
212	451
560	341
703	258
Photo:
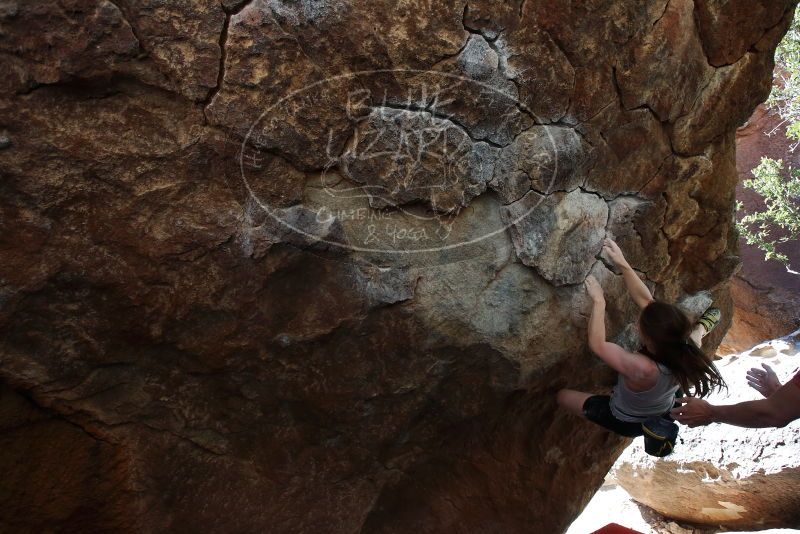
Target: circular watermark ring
273	212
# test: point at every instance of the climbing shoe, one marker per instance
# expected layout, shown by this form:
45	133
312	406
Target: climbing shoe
710	319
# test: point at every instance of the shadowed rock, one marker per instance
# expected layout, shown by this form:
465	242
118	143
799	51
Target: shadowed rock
285	266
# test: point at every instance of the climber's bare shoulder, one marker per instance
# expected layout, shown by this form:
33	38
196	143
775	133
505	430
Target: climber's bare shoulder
644	374
635	367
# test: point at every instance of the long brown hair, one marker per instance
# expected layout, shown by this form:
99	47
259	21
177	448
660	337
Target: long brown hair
668	329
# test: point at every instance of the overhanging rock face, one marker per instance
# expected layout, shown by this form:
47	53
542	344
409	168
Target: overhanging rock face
317	266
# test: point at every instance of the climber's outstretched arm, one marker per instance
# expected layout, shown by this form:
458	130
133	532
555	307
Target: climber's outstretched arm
633	366
639	292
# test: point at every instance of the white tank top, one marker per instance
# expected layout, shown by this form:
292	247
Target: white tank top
638	406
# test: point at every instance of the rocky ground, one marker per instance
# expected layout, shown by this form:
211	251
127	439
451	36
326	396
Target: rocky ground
612	503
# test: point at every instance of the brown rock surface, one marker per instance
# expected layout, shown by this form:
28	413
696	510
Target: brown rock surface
57	477
197	285
729	28
766	296
667	91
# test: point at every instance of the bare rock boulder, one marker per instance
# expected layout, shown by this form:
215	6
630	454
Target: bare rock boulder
316	266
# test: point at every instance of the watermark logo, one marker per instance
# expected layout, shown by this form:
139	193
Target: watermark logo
393	159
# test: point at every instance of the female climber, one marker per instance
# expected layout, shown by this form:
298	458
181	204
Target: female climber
669	360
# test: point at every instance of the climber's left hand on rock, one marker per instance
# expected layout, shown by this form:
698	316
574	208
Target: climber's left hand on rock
593	289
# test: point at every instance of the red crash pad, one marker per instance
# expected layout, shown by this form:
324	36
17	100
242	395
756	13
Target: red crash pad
613	528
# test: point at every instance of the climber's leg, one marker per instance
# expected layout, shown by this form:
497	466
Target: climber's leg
708	321
697	334
597	409
572	400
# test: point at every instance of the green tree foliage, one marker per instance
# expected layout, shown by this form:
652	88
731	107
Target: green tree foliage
785	95
779	221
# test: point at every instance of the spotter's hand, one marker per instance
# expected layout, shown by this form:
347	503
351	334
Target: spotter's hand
694	412
764	381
